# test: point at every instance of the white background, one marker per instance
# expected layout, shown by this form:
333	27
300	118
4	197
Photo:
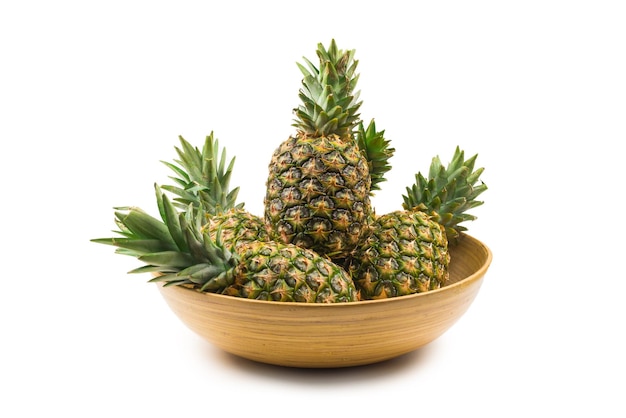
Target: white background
94	95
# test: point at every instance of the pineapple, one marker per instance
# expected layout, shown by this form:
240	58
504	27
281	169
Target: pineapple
406	251
179	251
288	273
202	184
320	180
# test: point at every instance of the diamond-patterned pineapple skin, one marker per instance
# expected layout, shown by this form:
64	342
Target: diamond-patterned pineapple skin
236	227
286	273
318	194
406	252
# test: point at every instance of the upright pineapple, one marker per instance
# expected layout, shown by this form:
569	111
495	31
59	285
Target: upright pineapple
202	185
319	183
406	251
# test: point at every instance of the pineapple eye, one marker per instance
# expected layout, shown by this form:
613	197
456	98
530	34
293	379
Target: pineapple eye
284	159
319	229
288	252
342	219
311	188
350	175
427	250
322	206
255	263
303	294
425	233
370	255
297	215
389	249
290	196
389	234
387	266
302	151
336	240
274	187
302	263
334	159
291	176
355	230
274	208
291	279
313	168
278	264
322	267
332	181
361	188
338	284
266	251
410	265
302	240
325	295
407	232
359	208
314	280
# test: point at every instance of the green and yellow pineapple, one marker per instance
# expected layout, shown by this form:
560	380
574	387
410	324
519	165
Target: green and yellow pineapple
320	180
406	251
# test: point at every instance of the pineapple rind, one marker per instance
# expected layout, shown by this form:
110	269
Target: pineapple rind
406	252
236	227
318	195
287	273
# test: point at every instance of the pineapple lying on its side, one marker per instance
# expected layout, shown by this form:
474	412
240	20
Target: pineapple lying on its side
406	251
318	188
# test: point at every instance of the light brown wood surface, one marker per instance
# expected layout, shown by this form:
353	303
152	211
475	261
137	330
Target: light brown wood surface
334	335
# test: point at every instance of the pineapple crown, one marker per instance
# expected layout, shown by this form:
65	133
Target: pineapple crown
377	152
174	247
329	102
202	178
448	193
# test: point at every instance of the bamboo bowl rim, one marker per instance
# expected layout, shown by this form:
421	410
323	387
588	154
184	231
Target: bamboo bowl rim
346	305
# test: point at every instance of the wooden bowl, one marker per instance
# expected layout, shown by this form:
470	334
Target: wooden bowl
334	335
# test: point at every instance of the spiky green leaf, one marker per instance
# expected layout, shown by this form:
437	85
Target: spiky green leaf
448	192
175	259
377	152
135	246
139	224
202	177
330	103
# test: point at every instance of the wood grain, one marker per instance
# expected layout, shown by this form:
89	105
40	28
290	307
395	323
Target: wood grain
334	335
